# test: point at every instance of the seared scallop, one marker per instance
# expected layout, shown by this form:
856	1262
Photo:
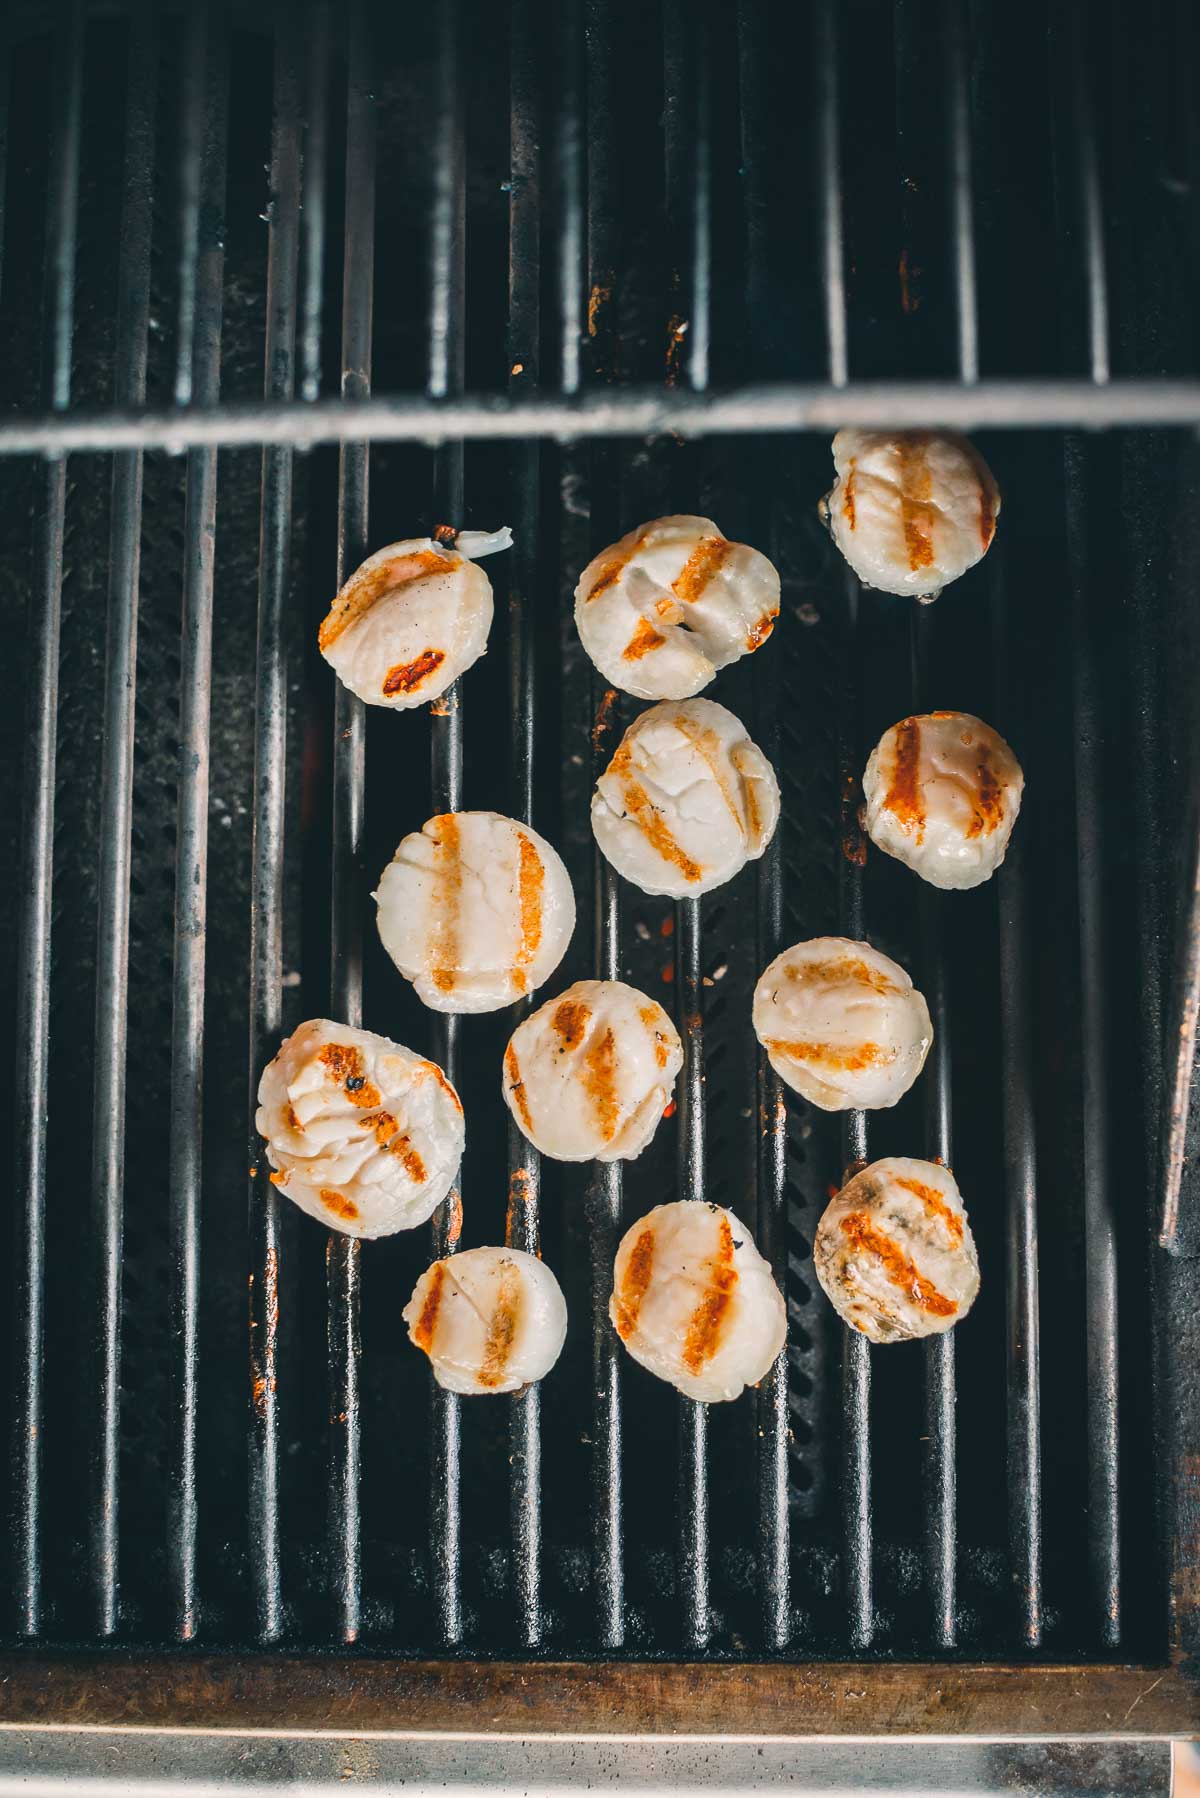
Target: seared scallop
910	510
686	801
694	1301
476	910
490	1320
362	1133
589	1074
412	618
673	601
842	1024
942	795
894	1251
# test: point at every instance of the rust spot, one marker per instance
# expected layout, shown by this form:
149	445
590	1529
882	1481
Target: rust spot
599	1077
903	798
935	1206
443	706
847	1060
676	332
989	806
432	1068
338	1203
517	1085
644	639
757	636
362	591
454	1227
842	967
502	1328
520	1197
627	1302
414	1167
603	717
636	805
854	839
711	1314
426	1325
571	1020
445	533
443	951
916	488
900	1270
531	879
910	299
406	676
848	509
599	297
705	561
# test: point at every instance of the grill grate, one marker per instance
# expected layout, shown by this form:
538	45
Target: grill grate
525	378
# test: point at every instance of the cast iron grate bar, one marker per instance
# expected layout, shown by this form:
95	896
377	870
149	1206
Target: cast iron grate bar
32	1069
315	158
524	1162
267	851
343	1254
447	342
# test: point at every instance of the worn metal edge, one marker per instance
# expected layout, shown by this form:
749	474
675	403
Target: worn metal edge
293	1695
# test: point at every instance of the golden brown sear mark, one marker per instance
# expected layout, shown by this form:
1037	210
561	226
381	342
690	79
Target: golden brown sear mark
635	1281
757	635
636	804
386	1127
705	561
344	1063
431	1067
904	799
571	1020
644	639
989	805
446	838
709	1318
531	879
916	513
426	1325
849	512
900	1270
291	1120
600	1082
650	1015
338	1203
502	1328
849	1060
361	592
845	967
512	1069
405	677
935	1205
612	570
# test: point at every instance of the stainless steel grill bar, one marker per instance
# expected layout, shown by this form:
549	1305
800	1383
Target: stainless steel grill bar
194	63
116	788
32	1064
343	1258
185	1153
312	204
446	370
524	318
266	897
605	1192
5	96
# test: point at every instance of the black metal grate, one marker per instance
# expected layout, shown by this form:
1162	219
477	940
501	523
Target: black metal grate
646	274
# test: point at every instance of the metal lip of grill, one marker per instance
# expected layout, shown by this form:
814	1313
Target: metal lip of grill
942	1633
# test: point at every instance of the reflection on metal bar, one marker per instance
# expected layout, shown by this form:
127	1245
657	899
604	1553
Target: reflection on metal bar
316	151
343	1256
31	1097
266	863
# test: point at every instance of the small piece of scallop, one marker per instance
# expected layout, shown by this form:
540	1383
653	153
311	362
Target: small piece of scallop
910	510
673	601
490	1320
894	1251
362	1133
589	1074
842	1025
694	1301
942	795
476	910
413	618
686	801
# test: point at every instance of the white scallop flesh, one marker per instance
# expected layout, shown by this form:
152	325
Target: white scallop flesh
942	794
476	910
673	601
894	1251
842	1024
910	510
694	1301
490	1320
413	618
686	801
363	1134
589	1074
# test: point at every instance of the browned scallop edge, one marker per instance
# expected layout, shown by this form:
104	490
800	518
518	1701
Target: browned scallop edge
635	1283
848	507
709	1319
935	1205
443	950
362	591
903	1272
406	677
502	1328
425	1328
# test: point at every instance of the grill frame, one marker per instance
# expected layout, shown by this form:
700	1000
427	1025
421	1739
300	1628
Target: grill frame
260	1691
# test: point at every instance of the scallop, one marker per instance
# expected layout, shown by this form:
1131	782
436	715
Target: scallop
363	1134
694	1301
413	618
842	1025
589	1074
942	795
673	601
490	1320
910	510
686	801
476	910
894	1251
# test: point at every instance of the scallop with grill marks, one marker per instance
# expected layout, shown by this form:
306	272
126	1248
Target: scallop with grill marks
490	1320
942	795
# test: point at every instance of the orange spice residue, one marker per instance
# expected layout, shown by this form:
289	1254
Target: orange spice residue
709	1318
600	1082
361	592
705	561
405	676
571	1020
635	1281
531	879
935	1205
517	1086
847	1060
279	1177
904	799
757	636
426	1325
603	716
502	1328
338	1203
644	639
900	1270
600	295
